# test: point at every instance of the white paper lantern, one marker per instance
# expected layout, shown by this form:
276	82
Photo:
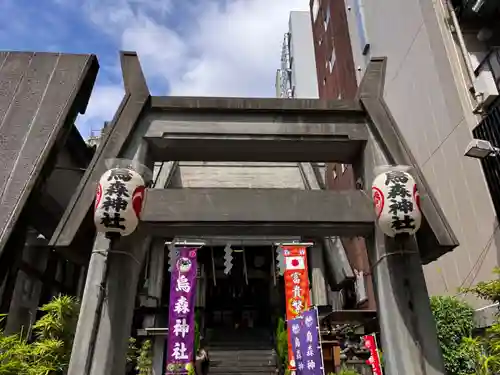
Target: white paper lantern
397	203
118	201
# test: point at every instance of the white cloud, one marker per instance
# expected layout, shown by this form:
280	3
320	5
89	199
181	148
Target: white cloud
213	48
239	49
102	106
218	48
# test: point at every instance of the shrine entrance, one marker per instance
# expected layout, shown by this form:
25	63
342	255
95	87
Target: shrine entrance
147	129
240	299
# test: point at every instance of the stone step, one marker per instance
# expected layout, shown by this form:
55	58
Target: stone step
238	347
242	342
240	354
242	365
263	361
240	361
239	372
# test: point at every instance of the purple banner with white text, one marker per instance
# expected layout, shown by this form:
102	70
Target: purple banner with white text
305	344
181	326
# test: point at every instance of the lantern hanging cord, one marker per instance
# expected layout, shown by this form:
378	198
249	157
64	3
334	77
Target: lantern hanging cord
103	252
382	257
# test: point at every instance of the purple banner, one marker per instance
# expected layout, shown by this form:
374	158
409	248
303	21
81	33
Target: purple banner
180	342
305	344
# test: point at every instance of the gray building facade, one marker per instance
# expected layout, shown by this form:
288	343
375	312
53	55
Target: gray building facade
428	89
296	77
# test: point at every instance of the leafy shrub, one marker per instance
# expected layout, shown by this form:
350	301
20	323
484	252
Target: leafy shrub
454	322
348	371
50	352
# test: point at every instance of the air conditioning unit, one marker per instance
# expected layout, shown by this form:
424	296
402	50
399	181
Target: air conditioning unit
485	85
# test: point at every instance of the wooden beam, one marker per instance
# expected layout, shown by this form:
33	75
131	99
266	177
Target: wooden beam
255	105
260	138
177	212
112	145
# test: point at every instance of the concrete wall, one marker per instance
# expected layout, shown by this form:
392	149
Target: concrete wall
302	54
239	175
427	94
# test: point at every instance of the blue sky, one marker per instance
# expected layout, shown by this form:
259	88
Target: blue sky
186	47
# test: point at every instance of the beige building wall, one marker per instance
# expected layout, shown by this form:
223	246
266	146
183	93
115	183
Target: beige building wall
240	175
427	94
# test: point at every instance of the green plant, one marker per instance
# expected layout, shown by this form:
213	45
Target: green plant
381	357
50	351
282	342
488	290
454	322
348	371
144	359
487	347
197	332
131	350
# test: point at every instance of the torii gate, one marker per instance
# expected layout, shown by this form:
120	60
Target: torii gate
362	133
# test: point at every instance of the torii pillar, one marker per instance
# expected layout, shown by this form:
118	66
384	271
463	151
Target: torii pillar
407	325
106	313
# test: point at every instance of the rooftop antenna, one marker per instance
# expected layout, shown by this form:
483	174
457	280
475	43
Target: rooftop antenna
96	135
285	72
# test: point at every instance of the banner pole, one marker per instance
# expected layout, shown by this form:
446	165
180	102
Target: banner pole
214	278
273	264
245	269
194	244
305	244
319	341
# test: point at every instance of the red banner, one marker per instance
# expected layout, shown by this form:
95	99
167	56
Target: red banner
374	360
296	287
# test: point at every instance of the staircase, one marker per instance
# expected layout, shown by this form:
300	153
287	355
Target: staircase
244	352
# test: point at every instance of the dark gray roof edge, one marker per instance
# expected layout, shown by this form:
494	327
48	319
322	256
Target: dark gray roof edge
177	103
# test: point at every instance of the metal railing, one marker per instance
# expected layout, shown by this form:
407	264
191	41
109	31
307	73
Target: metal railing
491	63
489	130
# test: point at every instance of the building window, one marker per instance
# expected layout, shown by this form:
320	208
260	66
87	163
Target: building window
334	174
359	14
331	61
289	42
343	167
315	10
324	81
326	18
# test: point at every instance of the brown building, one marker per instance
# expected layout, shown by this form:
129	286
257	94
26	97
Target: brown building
337	80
